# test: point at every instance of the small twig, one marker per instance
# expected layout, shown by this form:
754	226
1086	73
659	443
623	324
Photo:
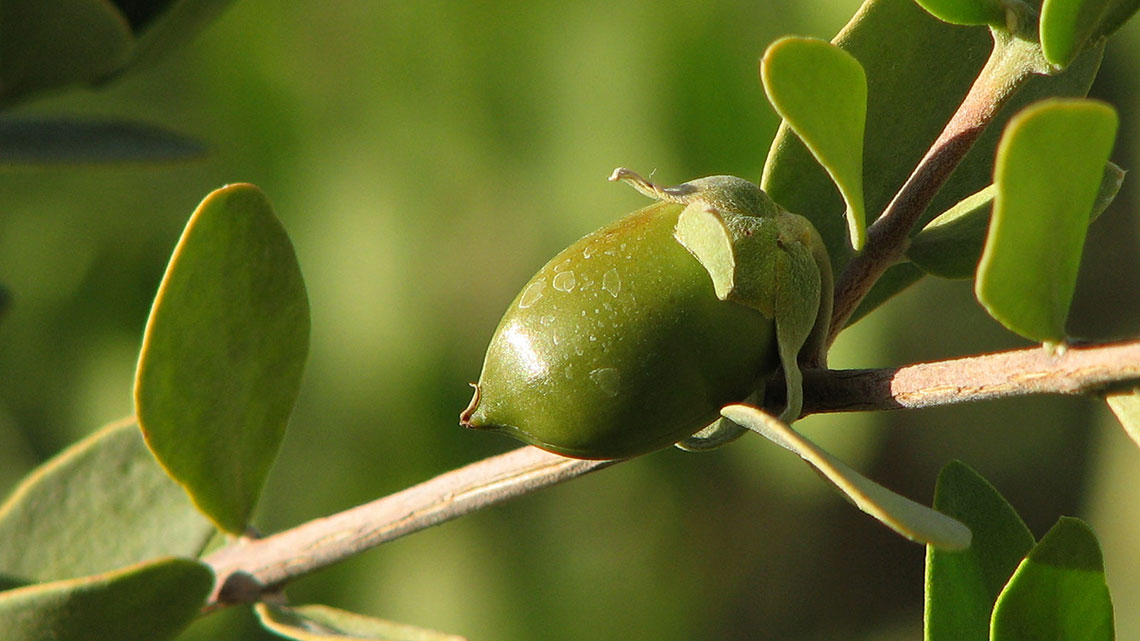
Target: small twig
1023	372
250	568
1004	72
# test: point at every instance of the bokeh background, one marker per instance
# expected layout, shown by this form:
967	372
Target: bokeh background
426	158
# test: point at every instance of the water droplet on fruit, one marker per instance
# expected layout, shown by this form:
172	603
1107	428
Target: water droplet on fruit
611	282
564	281
531	294
607	379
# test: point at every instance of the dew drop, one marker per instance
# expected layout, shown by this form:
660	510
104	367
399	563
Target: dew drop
531	294
587	251
607	379
611	282
564	281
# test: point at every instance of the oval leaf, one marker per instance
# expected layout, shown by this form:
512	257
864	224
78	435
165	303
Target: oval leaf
53	44
101	504
63	140
967	12
961	586
147	602
223	352
1058	591
322	623
1066	26
820	90
912	520
1047	173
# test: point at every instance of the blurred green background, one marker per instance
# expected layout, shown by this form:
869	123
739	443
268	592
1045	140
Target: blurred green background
426	158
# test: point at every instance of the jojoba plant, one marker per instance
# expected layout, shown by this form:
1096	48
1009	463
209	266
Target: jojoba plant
691	321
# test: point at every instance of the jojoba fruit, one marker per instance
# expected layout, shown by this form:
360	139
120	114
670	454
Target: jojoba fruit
621	345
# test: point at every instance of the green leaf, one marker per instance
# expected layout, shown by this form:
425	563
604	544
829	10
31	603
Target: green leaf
1115	14
967	12
322	623
1048	171
146	602
951	244
64	140
821	92
1066	26
1058	591
912	520
101	504
961	586
897	278
52	44
1126	405
223	353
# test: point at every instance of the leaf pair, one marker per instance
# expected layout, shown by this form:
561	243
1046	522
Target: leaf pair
1006	586
1065	27
93	531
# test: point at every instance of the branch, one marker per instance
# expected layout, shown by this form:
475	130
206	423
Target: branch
249	568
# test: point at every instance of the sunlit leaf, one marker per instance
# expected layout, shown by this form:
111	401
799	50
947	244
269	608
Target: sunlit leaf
223	352
53	44
65	140
821	92
912	520
961	586
951	244
1048	171
1126	405
146	602
322	623
101	504
1066	26
967	12
1058	591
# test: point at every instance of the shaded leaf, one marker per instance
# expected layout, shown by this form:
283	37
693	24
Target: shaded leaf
1048	172
1115	15
821	92
912	520
223	353
1126	405
52	44
146	602
1066	26
322	623
1058	591
177	24
64	140
967	12
961	586
951	244
894	281
101	504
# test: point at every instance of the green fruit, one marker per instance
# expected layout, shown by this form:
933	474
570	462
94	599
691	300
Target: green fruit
621	344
